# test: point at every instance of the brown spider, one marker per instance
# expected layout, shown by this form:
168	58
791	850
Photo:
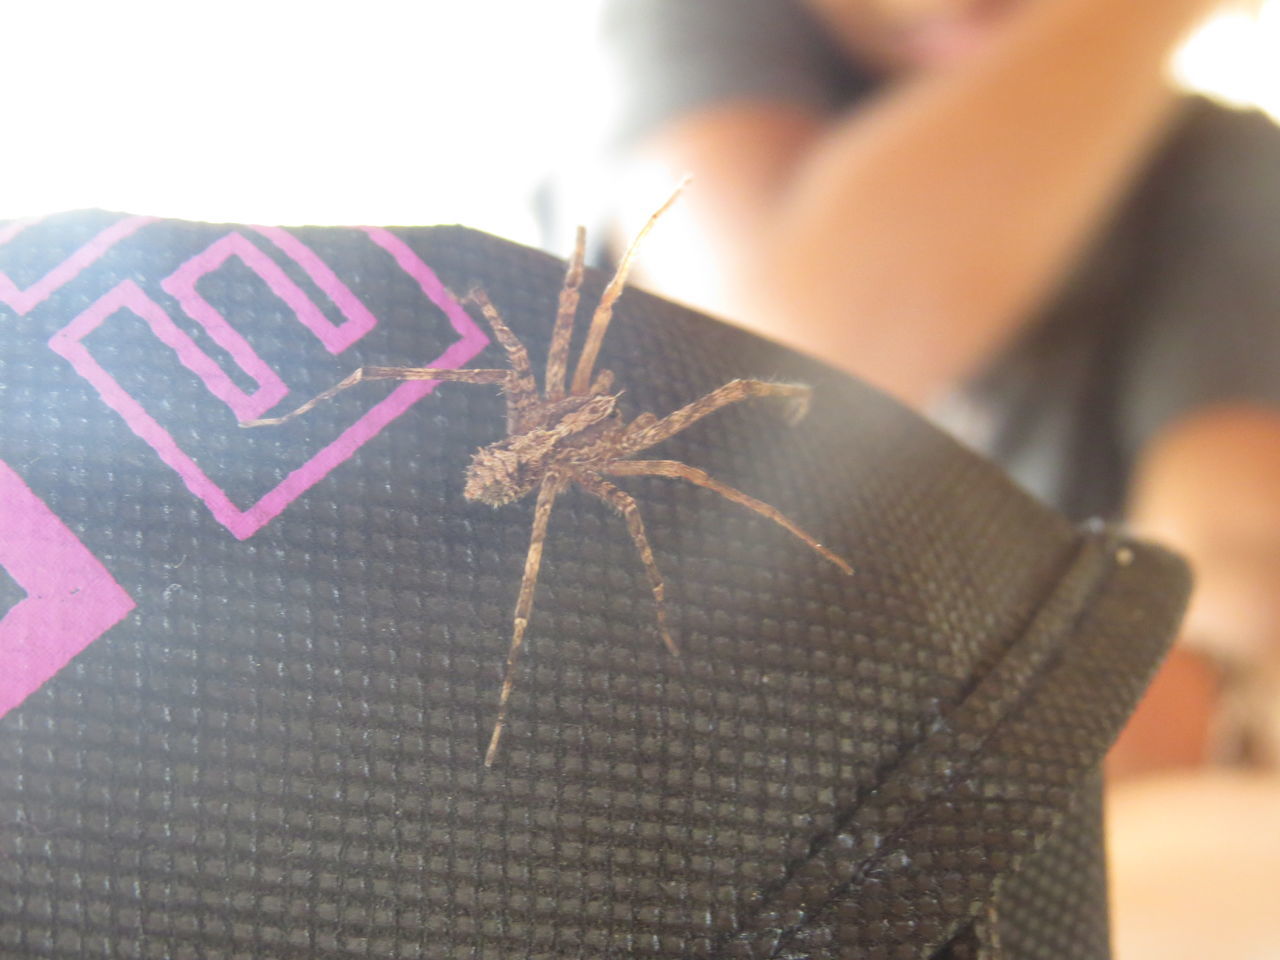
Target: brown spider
577	435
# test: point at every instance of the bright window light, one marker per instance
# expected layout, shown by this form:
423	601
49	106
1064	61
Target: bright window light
290	112
321	112
1234	57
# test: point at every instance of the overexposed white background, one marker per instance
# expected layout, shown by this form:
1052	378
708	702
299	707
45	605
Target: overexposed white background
322	112
289	112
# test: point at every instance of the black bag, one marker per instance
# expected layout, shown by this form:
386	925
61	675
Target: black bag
250	675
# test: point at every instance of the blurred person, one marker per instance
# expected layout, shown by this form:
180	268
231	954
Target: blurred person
1000	211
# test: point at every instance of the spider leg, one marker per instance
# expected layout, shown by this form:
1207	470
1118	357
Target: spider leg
502	377
625	504
547	493
645	433
522	391
604	310
682	471
562	332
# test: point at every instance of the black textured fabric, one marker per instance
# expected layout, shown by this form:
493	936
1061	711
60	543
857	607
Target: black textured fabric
250	675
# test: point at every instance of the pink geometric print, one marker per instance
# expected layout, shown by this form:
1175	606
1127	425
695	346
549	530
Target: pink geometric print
23	301
71	598
336	338
243	523
359	320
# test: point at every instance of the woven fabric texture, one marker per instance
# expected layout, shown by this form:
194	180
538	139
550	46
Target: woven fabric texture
249	675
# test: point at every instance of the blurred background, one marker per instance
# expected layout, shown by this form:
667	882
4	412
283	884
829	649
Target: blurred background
292	113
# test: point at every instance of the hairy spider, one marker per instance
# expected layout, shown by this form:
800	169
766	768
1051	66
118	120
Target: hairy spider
576	435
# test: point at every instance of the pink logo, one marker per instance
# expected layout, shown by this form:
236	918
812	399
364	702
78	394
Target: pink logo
270	389
23	301
71	598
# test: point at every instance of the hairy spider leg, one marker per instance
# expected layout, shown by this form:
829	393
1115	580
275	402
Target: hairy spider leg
604	310
682	471
641	435
626	504
502	377
522	391
551	487
562	332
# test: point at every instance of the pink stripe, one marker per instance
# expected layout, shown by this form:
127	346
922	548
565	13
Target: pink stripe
23	301
71	598
181	284
335	337
15	227
434	290
244	523
68	343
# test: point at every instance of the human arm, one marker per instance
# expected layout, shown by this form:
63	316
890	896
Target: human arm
1209	486
1198	419
908	239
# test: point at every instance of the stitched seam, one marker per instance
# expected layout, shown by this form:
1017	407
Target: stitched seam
1040	646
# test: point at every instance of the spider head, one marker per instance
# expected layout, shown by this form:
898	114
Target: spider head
496	476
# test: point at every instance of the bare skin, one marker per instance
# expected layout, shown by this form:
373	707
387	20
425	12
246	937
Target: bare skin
576	436
1207	485
908	239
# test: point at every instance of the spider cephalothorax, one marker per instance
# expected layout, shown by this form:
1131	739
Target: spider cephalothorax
513	467
575	435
